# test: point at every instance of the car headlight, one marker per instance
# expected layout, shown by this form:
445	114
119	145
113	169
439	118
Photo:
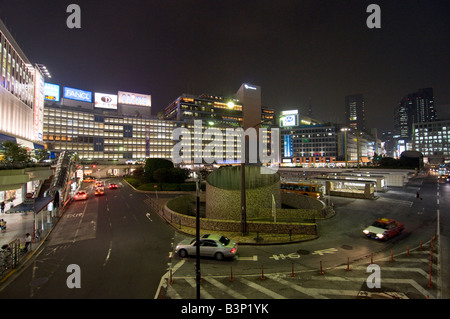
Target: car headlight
380	235
365	231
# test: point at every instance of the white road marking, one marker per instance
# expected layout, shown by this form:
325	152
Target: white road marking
262	289
222	287
254	258
108	255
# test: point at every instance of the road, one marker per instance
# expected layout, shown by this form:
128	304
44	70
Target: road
341	242
124	250
120	247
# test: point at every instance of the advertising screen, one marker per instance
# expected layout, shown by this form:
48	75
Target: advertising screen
289	118
77	94
288	146
105	101
134	99
51	92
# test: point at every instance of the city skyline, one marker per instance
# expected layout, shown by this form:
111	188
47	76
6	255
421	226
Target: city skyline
301	54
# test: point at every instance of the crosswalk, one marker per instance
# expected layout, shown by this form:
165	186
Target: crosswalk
408	276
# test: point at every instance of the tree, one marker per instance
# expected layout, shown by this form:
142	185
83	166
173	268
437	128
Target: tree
41	155
15	153
170	175
152	164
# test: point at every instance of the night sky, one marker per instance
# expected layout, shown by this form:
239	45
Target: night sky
299	52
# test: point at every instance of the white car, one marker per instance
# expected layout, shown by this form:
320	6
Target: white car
216	246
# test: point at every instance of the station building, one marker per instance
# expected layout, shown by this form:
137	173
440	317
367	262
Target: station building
105	128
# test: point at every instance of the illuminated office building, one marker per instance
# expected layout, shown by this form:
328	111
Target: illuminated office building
220	112
308	142
413	108
432	139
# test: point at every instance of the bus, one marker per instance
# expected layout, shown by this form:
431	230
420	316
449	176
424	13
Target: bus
304	188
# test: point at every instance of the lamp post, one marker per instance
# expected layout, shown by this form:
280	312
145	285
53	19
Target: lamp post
357	148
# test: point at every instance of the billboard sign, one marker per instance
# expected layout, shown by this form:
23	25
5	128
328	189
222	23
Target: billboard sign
289	118
105	101
134	99
77	94
51	92
38	107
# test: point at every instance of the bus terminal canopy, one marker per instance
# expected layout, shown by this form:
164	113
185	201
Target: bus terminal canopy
350	188
39	204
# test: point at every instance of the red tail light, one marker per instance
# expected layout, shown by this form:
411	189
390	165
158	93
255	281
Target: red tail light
233	250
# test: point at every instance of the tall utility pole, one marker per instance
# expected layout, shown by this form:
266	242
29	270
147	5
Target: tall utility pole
243	201
357	147
197	234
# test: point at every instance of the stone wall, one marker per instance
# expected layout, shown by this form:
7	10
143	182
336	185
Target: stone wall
305	206
226	204
223	192
235	226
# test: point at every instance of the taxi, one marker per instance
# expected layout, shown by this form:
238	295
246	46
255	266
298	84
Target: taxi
98	183
80	195
383	229
100	190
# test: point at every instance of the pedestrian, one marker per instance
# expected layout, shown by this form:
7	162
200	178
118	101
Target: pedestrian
3	225
417	195
2	206
27	241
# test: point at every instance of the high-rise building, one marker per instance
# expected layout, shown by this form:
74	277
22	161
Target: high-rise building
242	110
211	108
413	108
354	112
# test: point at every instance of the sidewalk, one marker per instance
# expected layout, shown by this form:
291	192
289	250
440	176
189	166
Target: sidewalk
17	225
24	218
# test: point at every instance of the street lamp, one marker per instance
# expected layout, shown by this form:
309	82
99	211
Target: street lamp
345	130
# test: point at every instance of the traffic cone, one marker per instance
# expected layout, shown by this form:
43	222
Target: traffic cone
321	270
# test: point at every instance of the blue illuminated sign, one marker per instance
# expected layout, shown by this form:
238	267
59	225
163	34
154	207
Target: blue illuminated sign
51	92
78	95
288	146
